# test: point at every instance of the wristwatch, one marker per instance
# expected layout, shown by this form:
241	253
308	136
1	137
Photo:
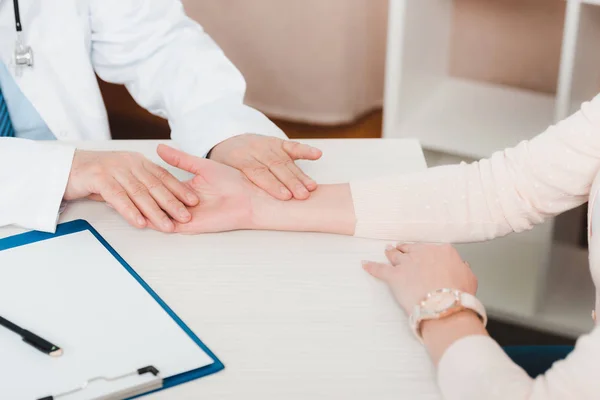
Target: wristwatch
442	303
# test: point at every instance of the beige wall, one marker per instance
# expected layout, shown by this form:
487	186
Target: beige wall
322	61
513	42
312	60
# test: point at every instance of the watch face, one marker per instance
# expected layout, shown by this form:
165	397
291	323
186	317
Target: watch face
440	302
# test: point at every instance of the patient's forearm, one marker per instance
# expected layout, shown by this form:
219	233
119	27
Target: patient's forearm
329	210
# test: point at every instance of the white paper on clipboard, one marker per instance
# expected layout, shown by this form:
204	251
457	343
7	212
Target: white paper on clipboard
73	292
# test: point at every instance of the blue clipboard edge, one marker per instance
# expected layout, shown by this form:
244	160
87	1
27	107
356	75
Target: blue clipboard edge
79	225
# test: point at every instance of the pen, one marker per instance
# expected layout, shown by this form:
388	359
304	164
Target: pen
32	339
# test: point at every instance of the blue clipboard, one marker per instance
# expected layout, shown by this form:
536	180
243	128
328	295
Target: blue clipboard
81	225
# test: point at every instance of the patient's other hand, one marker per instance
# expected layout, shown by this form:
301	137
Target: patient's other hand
227	197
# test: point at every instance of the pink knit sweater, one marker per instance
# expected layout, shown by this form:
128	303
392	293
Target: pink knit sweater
510	192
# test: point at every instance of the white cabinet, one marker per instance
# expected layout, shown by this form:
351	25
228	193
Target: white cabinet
465	119
580	61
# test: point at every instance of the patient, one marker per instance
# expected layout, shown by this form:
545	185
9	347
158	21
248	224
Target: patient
511	191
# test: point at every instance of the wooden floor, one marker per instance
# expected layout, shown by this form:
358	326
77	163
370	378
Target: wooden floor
130	121
367	126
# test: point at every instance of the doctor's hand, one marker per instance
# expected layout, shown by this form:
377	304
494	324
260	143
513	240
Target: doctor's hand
141	191
418	269
268	162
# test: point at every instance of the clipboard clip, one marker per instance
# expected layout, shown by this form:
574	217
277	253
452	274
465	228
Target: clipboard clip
155	384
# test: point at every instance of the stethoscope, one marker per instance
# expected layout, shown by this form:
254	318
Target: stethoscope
23	53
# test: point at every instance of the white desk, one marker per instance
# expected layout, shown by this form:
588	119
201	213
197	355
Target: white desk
291	315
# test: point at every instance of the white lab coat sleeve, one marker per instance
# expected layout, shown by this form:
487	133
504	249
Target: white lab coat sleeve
173	69
33	179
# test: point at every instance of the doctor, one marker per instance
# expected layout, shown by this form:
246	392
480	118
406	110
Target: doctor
50	53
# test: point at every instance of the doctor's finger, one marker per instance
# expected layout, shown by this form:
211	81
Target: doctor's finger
279	165
291	181
115	195
140	195
162	195
175	186
262	177
307	181
299	151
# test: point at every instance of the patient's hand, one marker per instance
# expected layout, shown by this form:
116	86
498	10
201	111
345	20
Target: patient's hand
418	269
229	201
226	196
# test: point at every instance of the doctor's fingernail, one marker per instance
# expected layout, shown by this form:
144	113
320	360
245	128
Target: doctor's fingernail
184	213
389	247
192	198
301	190
141	220
284	191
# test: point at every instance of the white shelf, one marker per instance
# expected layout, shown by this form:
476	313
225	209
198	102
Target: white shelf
510	280
475	119
570	291
523	278
568	294
579	78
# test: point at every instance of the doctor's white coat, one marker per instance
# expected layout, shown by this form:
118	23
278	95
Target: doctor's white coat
167	62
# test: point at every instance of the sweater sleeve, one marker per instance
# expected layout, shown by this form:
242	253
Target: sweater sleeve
511	191
476	367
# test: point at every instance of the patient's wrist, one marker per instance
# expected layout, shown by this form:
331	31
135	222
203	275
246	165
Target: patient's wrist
453	322
267	212
329	209
439	335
